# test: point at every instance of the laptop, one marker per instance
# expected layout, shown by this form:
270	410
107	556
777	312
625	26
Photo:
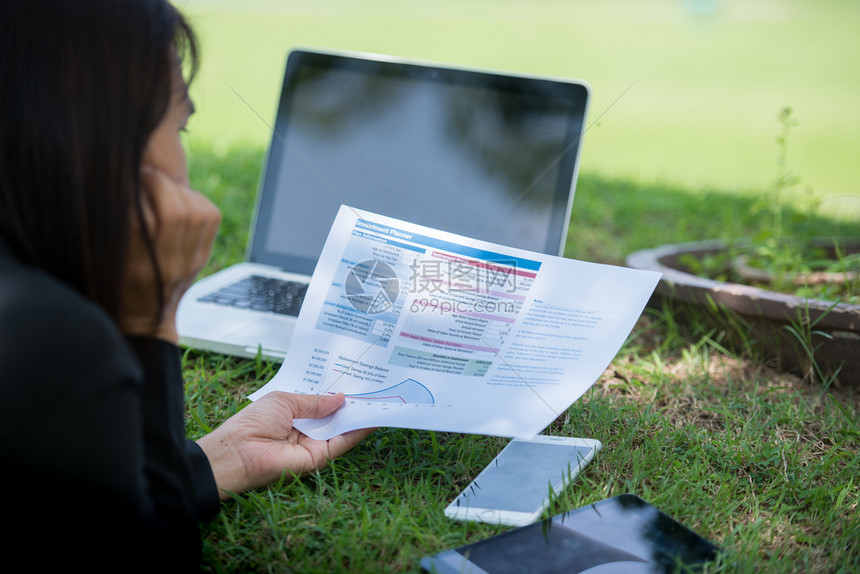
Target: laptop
484	154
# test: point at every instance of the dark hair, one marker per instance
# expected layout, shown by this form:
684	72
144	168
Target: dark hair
84	84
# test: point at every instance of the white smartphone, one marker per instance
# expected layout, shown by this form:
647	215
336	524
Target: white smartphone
517	486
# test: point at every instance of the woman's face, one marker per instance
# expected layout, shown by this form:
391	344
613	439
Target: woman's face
164	149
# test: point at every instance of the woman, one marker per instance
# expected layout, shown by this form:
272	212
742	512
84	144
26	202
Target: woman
100	235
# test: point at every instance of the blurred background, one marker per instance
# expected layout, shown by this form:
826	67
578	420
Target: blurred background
684	92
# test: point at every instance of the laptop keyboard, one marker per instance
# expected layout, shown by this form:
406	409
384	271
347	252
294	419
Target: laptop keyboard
261	294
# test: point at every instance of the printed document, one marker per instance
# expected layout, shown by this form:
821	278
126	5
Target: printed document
425	329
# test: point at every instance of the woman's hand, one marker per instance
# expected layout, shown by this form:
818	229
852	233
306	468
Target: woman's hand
182	224
258	444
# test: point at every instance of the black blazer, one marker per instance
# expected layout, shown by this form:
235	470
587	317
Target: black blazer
95	468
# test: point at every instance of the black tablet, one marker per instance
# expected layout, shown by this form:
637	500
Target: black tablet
619	534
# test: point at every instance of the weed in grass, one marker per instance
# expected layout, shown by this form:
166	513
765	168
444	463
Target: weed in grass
807	340
784	253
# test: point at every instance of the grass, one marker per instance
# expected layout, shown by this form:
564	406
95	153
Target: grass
706	78
762	463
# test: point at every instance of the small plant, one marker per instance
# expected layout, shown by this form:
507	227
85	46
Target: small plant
807	341
783	255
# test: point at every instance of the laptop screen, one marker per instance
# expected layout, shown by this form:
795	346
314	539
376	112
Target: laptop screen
485	155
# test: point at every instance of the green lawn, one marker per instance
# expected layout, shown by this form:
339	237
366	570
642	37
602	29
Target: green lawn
763	463
684	91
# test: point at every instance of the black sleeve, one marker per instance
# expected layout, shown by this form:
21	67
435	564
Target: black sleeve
179	473
207	500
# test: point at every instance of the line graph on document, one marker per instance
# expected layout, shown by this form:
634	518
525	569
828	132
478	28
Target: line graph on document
404	392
